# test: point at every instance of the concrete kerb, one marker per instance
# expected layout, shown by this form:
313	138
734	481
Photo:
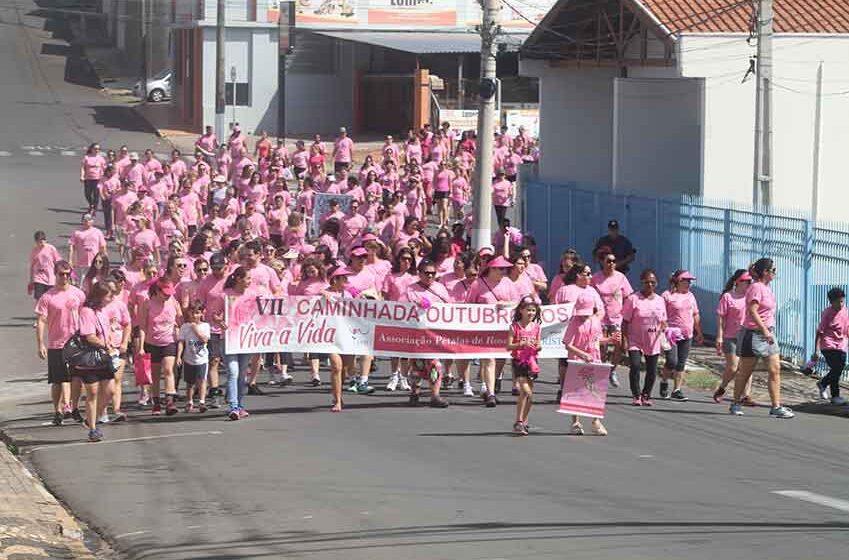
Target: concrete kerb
40	524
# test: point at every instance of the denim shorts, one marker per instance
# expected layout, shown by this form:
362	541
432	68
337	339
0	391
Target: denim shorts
729	346
753	344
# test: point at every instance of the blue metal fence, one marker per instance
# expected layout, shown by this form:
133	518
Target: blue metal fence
709	239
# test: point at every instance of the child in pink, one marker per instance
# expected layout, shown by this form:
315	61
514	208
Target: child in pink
524	344
583	339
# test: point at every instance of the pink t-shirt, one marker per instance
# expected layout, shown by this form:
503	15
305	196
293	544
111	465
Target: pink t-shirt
585	335
396	284
501	192
417	293
459	289
95	322
344	150
209	292
644	316
762	294
190	205
87	243
147	240
161	326
41	263
118	318
681	310
60	308
443	181
93	167
523	286
613	290
363	280
834	329
731	309
264	278
311	287
381	268
483	290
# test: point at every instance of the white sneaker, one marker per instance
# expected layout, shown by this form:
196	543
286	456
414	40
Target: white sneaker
483	389
468	391
839	401
103	419
781	412
405	385
823	391
393	382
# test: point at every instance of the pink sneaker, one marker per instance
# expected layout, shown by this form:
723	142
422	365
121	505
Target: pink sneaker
637	401
647	401
243	413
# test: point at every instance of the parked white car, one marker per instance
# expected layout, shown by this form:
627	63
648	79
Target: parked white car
158	87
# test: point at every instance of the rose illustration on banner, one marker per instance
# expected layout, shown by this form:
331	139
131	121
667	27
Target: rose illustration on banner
424	303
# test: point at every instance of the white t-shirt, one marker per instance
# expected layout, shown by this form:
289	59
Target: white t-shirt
196	352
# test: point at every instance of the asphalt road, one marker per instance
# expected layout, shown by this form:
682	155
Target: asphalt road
46	120
380	480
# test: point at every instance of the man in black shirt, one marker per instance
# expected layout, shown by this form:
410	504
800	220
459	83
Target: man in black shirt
617	244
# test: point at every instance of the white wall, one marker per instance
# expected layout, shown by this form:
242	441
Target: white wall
576	124
253	51
658	136
729	117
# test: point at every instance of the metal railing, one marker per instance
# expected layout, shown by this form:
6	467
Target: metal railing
710	239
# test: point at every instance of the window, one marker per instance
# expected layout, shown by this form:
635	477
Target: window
242	94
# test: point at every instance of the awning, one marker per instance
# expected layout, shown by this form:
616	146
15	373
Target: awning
423	42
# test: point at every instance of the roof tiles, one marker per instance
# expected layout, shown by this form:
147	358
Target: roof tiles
734	16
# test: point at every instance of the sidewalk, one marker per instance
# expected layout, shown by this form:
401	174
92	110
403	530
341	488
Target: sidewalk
32	523
796	389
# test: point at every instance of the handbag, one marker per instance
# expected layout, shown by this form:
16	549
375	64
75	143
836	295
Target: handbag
79	354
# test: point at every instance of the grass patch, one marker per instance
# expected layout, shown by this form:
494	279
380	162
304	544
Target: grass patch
704	380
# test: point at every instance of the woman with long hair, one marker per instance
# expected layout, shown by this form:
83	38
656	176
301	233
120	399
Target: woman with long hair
730	313
394	286
682	312
98	381
311	283
238	366
97	272
756	340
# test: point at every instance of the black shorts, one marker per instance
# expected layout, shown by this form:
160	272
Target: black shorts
193	374
215	346
39	289
440	195
520	371
511	178
340	165
89	376
57	369
157	353
298	171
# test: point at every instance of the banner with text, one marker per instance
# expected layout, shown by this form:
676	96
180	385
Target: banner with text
380	328
584	389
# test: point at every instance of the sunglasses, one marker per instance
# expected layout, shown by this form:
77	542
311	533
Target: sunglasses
182	265
63	274
429	272
406	258
203	269
650	282
610	261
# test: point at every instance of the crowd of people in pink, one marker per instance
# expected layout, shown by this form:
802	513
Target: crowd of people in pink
181	237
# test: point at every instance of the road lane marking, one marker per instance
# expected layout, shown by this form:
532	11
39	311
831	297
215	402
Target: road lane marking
828	501
5	154
125	440
132	534
68	153
36	153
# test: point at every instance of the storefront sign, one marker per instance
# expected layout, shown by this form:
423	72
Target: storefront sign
461	120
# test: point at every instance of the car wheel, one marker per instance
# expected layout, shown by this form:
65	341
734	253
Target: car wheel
156	95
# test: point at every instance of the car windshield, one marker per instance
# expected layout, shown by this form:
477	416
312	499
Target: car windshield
161	74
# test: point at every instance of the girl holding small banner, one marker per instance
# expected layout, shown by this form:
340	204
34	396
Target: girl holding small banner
581	386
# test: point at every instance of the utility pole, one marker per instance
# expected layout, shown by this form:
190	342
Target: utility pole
762	191
482	226
220	100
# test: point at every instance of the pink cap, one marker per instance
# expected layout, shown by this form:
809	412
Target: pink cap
341	271
307	249
486	250
584	306
359	252
500	262
745	277
369	237
686	275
